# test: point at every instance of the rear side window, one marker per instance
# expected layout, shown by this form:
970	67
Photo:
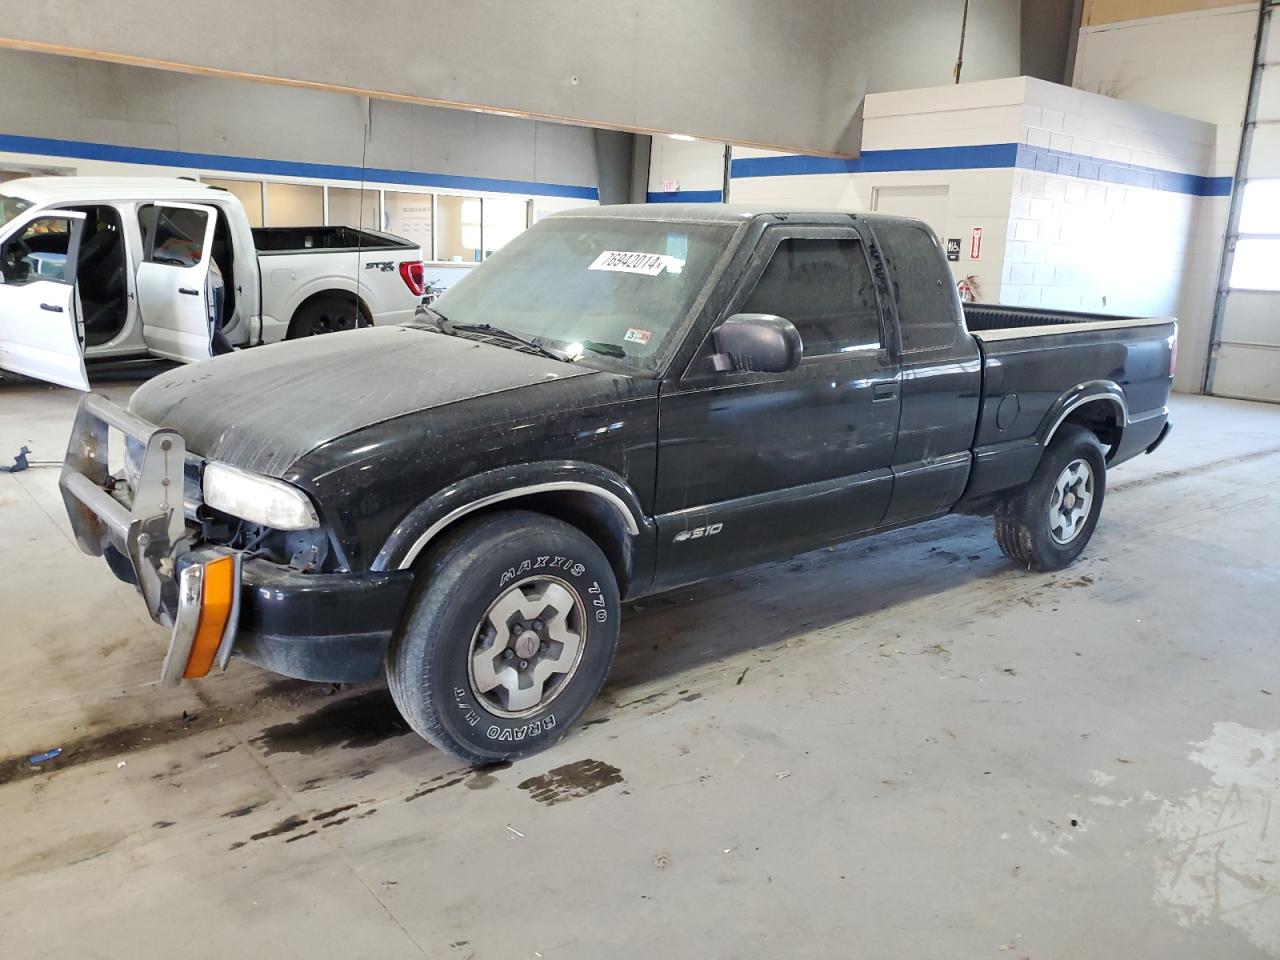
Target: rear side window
928	305
824	287
173	235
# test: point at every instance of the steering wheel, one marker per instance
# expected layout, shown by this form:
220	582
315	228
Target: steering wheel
12	258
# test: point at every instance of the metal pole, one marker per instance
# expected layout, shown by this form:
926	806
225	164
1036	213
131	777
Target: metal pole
964	25
1237	196
728	170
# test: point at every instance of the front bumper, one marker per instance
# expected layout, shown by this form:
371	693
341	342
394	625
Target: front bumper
216	600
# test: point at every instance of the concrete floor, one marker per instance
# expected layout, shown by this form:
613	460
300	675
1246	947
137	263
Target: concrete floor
903	747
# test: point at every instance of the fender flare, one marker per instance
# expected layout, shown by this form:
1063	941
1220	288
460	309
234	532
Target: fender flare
430	518
1077	397
329	283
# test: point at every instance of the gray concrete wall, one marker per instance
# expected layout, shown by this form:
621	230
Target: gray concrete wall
781	74
66	98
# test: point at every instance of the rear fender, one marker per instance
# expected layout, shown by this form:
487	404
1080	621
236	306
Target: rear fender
1106	393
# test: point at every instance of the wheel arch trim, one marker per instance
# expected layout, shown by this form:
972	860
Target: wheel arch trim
1106	390
436	514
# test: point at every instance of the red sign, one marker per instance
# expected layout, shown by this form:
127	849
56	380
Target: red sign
975	245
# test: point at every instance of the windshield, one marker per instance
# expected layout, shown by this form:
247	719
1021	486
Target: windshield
10	207
602	287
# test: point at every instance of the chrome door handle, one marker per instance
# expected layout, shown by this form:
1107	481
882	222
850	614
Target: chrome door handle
883	391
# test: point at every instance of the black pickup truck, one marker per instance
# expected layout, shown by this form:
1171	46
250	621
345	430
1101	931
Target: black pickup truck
621	401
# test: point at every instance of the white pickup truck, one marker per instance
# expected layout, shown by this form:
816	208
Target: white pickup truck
110	268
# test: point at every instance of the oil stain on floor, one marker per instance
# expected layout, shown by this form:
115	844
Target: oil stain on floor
571	781
354	722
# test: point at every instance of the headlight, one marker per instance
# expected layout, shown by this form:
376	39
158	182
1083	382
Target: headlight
248	496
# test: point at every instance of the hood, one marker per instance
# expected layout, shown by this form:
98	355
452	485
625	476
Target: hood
262	409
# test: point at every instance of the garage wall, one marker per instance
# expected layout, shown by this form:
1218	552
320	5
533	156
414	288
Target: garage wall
683	171
1083	202
1190	57
776	74
88	116
1103	215
942	153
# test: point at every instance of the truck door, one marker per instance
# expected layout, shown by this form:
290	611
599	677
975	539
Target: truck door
758	466
941	376
175	295
40	333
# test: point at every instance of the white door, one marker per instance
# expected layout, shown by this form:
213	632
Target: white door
928	203
40	332
174	291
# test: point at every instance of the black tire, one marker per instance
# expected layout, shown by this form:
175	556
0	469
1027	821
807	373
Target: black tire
430	667
1024	528
330	313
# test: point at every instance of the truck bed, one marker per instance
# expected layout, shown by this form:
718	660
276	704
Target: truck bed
1037	363
279	240
991	322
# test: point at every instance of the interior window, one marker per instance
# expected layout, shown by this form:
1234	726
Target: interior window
824	287
39	252
173	235
928	307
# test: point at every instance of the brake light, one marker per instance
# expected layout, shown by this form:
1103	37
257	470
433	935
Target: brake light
414	275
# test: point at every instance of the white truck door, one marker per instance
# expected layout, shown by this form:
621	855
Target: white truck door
40	332
174	292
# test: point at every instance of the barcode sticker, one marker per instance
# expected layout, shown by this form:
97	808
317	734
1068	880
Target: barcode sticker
645	264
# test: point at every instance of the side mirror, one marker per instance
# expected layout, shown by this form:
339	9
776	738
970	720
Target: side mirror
759	342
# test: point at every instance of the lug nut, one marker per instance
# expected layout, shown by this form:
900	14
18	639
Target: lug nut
524	664
507	654
537	624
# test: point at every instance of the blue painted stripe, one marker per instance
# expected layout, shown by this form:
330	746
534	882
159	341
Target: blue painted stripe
686	196
881	161
82	150
1128	174
988	156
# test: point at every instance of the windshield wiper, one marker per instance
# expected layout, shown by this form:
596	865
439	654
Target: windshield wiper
438	318
604	349
491	330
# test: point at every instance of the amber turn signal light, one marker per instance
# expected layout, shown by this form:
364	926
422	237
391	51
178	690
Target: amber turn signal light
215	609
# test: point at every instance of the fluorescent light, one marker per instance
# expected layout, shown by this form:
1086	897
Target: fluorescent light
681	136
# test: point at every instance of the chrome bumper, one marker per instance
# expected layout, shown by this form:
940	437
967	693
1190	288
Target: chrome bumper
145	524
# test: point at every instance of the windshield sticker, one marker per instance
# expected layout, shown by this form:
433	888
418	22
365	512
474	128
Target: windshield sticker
636	335
645	264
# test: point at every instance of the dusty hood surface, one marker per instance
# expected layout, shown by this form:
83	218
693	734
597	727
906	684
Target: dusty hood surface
262	409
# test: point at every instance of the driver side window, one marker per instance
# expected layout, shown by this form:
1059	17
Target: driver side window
824	287
39	252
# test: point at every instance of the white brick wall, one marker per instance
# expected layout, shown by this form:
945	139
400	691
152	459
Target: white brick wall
1083	243
1194	64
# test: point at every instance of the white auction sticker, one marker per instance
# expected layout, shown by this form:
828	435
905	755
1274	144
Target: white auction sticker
646	264
637	335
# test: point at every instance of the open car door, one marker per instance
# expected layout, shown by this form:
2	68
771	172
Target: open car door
40	324
175	294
